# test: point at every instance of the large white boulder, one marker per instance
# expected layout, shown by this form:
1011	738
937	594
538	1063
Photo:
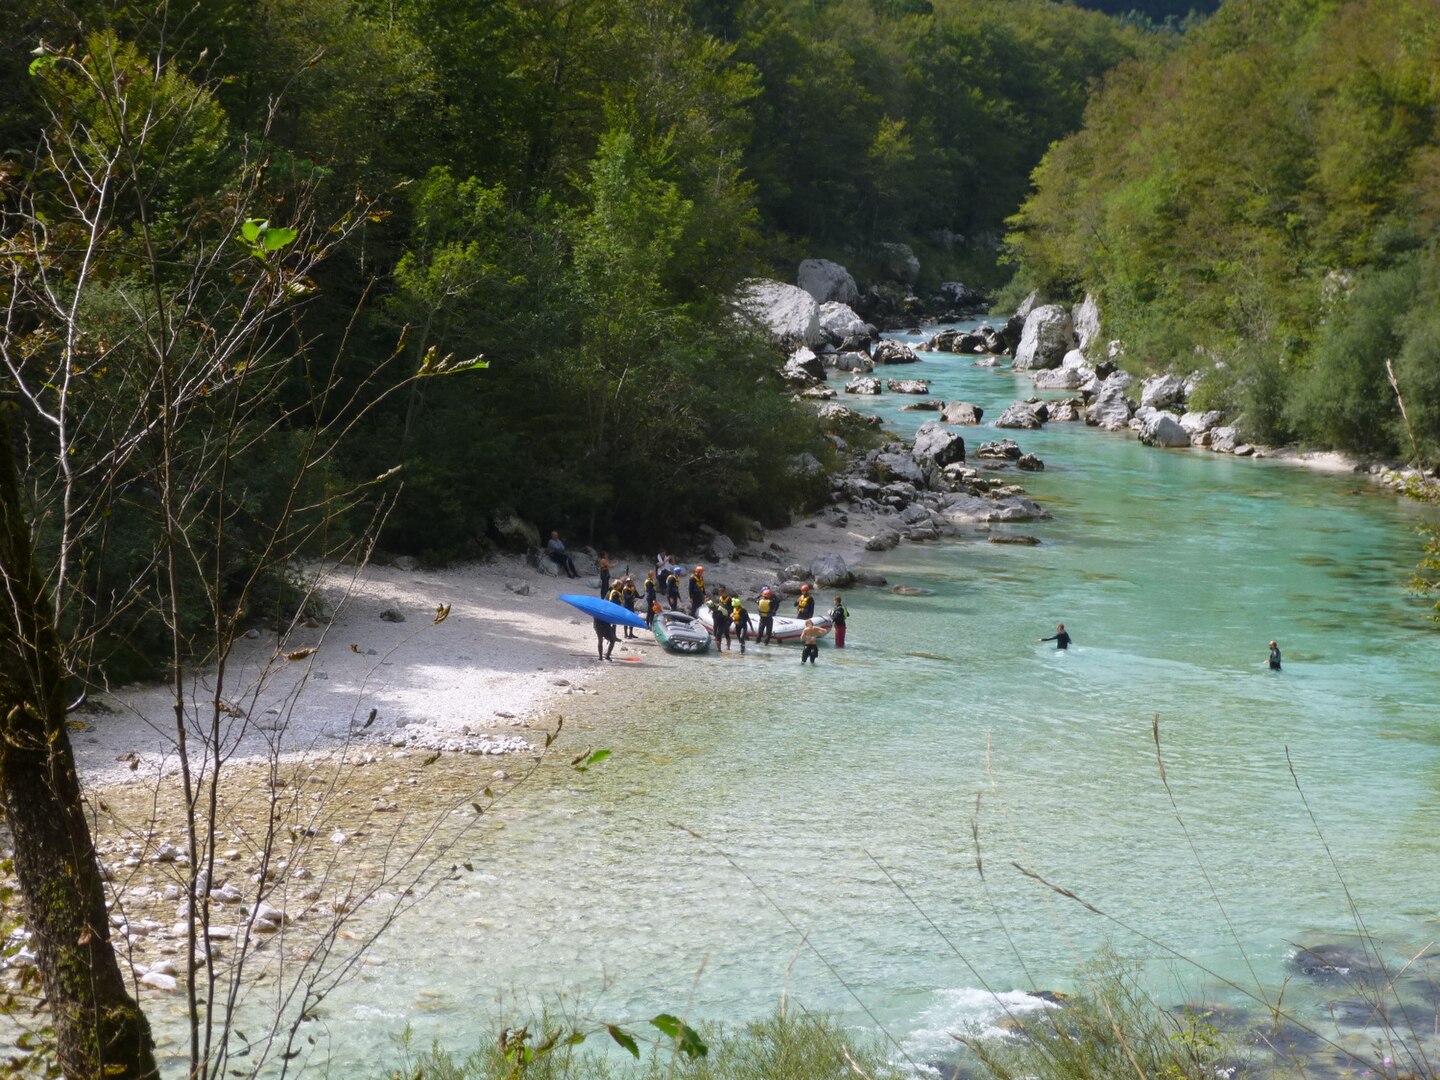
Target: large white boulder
1111	409
1061	378
1197	423
830	571
787	313
1162	391
1047	336
839	322
1086	318
826	280
1163	429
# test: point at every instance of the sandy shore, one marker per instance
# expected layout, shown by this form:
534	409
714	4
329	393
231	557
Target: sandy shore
507	656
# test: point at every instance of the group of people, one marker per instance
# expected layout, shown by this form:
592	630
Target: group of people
730	619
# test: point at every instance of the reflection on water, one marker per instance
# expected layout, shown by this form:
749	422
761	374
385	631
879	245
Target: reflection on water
947	739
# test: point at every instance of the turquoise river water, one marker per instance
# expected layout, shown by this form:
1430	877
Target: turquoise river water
944	719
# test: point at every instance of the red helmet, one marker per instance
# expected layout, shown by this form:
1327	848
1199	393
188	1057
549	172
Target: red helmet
804	588
699	569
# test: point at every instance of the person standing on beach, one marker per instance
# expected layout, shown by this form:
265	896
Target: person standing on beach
697	590
1060	638
672	591
555	548
766	630
628	596
809	638
652	597
719	620
838	614
604	573
740	621
604	638
1274	657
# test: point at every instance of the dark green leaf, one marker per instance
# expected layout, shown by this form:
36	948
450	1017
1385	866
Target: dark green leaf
625	1039
686	1041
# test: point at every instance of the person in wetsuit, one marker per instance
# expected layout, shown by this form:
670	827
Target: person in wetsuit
672	591
805	604
767	607
740	620
838	614
652	596
696	585
628	595
1060	637
1274	657
719	620
604	638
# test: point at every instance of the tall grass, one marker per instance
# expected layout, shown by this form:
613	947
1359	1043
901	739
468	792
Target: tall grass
795	1046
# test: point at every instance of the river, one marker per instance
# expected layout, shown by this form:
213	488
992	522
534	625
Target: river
945	719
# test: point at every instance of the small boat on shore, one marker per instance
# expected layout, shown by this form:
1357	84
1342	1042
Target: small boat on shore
680	633
785	629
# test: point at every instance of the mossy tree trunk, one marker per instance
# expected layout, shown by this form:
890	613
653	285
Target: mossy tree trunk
100	1030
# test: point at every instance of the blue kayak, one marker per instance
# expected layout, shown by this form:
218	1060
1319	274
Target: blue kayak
603	610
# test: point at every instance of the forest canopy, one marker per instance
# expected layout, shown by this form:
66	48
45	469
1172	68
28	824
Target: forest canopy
1260	204
573	189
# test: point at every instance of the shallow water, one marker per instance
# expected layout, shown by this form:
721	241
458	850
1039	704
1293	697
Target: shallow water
945	720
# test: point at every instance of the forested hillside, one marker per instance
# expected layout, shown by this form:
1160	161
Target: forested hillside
1267	195
572	188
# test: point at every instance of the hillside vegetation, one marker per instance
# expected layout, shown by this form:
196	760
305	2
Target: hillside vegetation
1267	197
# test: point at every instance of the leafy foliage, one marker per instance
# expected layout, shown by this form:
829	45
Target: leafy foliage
1265	194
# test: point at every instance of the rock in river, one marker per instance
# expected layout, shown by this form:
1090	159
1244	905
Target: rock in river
937	445
863	385
961	412
908	386
1018	415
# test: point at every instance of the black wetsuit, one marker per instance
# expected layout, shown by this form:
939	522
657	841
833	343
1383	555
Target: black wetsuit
741	620
604	632
766	629
1061	640
1275	658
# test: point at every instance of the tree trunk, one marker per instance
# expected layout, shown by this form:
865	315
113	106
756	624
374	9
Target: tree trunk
100	1030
